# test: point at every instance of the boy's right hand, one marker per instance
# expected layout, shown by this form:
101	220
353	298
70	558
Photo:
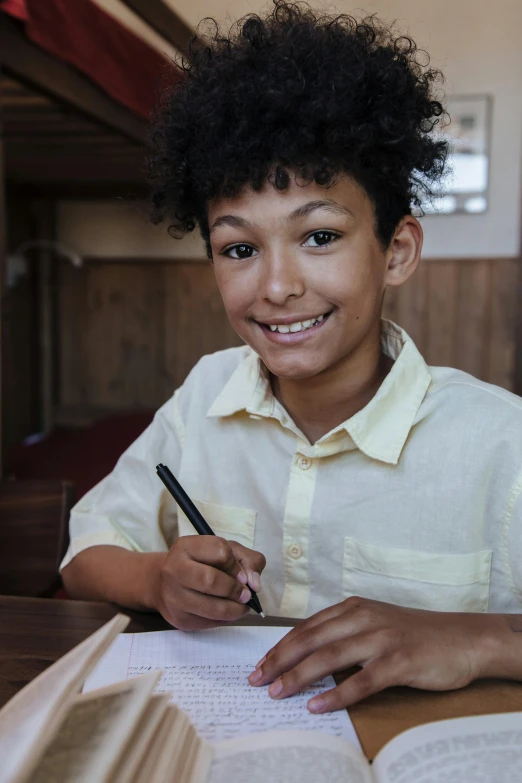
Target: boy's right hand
204	582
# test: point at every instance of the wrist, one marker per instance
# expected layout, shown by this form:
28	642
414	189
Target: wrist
151	580
499	647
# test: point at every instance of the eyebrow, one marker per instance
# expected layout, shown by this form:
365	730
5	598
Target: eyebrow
303	211
327	204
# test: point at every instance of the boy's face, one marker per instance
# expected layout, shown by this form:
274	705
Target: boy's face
306	261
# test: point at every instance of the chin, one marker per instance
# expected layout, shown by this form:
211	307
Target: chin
293	370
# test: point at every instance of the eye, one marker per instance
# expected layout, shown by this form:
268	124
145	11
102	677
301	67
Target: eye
321	239
239	251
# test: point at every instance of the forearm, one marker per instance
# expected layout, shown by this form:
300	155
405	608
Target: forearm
111	573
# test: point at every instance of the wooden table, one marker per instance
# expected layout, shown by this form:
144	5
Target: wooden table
34	632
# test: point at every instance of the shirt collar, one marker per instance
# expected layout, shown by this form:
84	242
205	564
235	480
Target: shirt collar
379	430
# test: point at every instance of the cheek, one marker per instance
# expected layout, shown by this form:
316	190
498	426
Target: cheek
354	288
235	292
361	285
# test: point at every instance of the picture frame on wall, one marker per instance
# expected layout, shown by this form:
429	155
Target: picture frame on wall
465	185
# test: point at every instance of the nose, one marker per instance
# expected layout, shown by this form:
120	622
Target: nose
282	278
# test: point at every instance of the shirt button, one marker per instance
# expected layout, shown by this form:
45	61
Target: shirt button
295	551
303	462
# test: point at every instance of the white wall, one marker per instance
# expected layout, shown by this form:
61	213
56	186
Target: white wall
478	45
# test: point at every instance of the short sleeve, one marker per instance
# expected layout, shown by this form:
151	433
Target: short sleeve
130	507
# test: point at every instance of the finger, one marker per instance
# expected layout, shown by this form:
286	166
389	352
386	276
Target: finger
214	551
330	658
284	657
348	606
205	606
377	676
191	622
303	627
252	562
211	581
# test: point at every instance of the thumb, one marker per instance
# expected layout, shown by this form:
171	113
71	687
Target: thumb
252	563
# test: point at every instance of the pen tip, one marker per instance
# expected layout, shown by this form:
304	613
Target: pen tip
262	614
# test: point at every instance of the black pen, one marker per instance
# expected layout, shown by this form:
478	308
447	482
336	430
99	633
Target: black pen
195	517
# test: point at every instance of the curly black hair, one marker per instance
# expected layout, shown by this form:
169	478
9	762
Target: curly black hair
302	94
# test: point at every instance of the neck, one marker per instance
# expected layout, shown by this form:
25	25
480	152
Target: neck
319	404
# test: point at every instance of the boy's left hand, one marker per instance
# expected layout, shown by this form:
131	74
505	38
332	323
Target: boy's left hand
393	645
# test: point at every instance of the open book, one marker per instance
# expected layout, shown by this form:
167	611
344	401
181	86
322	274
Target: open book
127	732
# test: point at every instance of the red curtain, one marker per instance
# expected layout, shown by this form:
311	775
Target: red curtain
17	8
92	41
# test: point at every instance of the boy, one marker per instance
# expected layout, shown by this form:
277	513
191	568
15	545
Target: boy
325	445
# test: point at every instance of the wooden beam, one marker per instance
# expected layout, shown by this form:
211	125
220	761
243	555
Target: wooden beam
3	254
517	379
165	21
88	191
27	62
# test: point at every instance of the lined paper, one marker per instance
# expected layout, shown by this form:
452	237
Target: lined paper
207	673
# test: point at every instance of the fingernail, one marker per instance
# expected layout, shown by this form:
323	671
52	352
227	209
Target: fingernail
245	596
242	577
276	688
255	581
255	676
261	662
316	705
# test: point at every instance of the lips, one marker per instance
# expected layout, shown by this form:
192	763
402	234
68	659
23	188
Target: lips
294	331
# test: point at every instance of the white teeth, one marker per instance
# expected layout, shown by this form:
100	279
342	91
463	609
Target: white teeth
298	326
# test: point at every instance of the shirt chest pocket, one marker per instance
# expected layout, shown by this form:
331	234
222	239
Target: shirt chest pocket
444	583
230	522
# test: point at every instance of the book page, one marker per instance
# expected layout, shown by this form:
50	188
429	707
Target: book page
29	720
94	733
289	757
481	749
207	673
140	741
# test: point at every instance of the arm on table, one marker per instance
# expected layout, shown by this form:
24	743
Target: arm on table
394	645
111	573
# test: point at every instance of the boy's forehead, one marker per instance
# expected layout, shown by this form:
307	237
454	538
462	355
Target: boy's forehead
345	191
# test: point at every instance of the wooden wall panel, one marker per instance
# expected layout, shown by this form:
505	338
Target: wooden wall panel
501	349
461	313
473	317
125	322
20	339
442	314
195	319
73	349
131	331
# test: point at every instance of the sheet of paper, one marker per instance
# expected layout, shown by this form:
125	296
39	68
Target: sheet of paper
207	674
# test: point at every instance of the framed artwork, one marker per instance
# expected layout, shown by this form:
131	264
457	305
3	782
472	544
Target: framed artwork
464	187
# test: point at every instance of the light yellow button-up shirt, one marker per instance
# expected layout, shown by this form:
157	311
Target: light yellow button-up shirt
415	500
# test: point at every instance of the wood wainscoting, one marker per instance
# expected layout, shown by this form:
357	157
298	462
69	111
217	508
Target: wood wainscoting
130	331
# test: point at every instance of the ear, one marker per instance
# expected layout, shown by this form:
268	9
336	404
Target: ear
404	251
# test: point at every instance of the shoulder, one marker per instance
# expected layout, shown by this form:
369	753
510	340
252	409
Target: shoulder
463	396
209	376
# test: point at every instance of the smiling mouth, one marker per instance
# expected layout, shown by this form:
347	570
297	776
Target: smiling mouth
297	326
